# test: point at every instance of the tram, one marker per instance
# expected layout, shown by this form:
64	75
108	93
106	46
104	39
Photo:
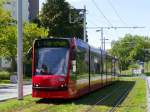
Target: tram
65	68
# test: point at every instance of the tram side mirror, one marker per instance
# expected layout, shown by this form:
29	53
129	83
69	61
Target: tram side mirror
73	55
29	54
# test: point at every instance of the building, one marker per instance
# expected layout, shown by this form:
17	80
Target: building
33	9
5	63
30	9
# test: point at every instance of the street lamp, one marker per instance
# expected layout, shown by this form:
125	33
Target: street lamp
105	42
103	39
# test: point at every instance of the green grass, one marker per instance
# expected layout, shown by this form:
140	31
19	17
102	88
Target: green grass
134	102
5	78
5	81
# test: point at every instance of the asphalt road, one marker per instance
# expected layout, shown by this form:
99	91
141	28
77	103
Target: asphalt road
9	91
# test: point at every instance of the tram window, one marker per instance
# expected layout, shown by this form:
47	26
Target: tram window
95	64
82	58
117	67
109	65
53	61
104	66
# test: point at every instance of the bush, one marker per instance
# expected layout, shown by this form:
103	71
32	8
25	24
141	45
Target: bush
126	72
4	75
134	66
147	73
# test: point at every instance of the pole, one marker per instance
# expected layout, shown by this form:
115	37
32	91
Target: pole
84	25
104	43
19	51
102	39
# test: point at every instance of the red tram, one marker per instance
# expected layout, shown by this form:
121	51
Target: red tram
68	68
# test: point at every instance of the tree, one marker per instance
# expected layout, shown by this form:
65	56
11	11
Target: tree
5	16
8	35
8	40
55	17
130	49
8	44
32	32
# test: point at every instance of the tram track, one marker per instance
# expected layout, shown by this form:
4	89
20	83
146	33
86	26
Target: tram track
117	101
101	100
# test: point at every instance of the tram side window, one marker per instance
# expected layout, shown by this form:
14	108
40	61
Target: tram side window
92	64
95	64
113	66
109	66
73	65
82	63
104	65
117	67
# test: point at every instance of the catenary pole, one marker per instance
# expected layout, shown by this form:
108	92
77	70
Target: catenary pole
84	25
19	50
102	39
102	32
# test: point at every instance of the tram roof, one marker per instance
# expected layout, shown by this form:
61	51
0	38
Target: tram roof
83	44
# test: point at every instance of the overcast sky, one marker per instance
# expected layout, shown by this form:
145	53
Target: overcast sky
118	13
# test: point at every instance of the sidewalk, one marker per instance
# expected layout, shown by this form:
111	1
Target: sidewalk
3	86
8	91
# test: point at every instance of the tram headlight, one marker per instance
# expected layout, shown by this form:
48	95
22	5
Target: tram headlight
36	85
62	85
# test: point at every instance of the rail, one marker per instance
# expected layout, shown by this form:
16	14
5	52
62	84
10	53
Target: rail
101	99
118	101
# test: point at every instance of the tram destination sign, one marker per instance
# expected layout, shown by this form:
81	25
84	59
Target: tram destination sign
52	43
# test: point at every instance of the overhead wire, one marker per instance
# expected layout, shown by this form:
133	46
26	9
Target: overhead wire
101	12
118	15
91	22
116	12
94	20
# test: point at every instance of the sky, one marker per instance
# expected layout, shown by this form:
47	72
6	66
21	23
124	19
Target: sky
117	13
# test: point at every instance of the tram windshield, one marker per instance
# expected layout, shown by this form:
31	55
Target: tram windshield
52	61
